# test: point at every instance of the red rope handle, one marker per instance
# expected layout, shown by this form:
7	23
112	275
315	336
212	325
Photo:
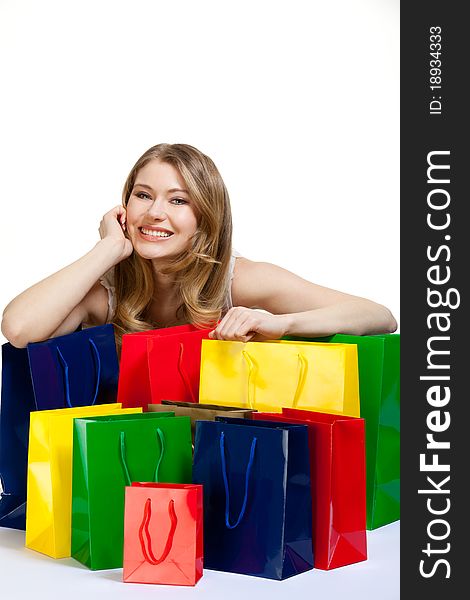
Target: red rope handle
183	373
144	529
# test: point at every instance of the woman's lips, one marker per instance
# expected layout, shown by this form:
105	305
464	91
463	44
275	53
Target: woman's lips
157	236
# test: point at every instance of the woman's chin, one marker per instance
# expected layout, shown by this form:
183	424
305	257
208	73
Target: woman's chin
159	250
154	253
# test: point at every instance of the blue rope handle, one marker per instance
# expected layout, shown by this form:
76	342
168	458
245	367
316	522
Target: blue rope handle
66	374
125	467
247	478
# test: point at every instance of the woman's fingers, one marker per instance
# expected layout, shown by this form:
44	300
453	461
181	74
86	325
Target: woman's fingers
116	216
236	325
245	324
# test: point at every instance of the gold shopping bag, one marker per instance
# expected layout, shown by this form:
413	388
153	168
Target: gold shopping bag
267	376
49	488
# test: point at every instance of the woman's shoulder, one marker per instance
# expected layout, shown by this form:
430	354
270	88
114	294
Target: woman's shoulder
245	279
101	300
107	281
244	266
256	282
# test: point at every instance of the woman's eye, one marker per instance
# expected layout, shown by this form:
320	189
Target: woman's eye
142	195
179	201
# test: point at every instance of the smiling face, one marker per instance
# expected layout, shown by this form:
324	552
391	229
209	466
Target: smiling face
161	217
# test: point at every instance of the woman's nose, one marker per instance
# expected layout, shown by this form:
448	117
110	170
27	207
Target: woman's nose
157	210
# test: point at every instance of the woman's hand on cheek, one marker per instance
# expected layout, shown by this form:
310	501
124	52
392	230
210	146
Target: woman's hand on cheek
245	324
113	228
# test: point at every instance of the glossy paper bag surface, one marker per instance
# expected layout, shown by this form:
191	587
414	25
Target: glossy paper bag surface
337	462
49	497
78	369
270	375
163	534
379	382
257	497
160	364
17	403
175	364
110	453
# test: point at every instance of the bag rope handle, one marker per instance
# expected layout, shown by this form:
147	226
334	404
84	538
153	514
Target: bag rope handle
125	467
247	478
301	380
65	368
184	375
252	366
144	530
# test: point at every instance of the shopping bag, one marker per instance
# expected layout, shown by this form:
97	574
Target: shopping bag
49	491
77	369
338	475
204	412
379	383
109	453
163	533
257	496
267	376
160	364
16	404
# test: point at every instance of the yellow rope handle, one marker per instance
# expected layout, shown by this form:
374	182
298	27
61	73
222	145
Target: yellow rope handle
302	376
252	367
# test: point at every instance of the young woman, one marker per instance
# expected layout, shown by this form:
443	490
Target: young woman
166	258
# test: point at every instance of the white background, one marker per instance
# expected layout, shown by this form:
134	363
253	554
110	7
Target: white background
296	102
28	575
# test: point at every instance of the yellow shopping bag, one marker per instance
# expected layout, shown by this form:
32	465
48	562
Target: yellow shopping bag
268	376
49	491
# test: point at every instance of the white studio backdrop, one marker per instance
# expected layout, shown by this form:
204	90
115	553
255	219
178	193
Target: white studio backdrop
296	102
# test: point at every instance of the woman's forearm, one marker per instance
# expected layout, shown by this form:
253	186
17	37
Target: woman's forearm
38	311
355	317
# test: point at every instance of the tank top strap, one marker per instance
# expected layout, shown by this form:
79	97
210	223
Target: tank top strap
228	300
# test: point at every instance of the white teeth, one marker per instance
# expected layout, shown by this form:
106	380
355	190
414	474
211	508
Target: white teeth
155	233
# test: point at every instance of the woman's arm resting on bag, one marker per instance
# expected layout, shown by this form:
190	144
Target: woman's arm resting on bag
295	307
58	304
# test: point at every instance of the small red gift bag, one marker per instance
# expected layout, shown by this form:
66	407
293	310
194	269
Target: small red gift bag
163	533
338	476
161	364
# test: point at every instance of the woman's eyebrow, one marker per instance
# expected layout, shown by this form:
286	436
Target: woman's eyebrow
170	191
178	190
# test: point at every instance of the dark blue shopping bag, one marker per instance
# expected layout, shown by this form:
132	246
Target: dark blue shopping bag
78	369
257	496
17	403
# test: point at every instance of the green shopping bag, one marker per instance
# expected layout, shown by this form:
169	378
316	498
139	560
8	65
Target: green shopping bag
379	390
110	453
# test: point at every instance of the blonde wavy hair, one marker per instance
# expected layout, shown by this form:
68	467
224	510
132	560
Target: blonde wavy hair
201	270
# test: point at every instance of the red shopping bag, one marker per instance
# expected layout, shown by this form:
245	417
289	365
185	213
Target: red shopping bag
337	464
163	533
175	363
